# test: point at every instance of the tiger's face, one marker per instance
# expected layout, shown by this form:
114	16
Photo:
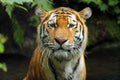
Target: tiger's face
63	31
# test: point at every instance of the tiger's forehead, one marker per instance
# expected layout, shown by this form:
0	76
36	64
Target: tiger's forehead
62	17
63	11
62	14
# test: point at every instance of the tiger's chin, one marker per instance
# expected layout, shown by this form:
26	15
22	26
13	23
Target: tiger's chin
62	55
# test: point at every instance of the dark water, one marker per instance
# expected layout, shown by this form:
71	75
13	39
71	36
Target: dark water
102	64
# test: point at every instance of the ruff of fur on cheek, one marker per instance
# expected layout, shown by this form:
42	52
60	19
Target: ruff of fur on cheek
45	50
76	51
45	55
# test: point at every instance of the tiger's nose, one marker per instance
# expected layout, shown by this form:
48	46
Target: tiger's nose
60	40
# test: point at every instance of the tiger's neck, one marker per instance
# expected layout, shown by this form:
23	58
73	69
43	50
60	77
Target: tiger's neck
64	70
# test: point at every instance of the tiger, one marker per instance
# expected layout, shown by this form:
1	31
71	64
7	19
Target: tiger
62	37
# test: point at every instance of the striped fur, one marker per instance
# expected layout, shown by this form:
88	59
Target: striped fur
62	39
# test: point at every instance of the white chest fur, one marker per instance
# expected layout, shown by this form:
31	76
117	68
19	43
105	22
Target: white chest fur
64	70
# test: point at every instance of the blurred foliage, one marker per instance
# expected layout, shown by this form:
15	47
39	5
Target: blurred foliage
110	6
10	5
99	3
18	34
113	29
34	21
104	5
3	66
3	39
46	4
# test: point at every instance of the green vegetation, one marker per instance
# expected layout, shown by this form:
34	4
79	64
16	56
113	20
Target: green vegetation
3	39
3	66
10	5
18	33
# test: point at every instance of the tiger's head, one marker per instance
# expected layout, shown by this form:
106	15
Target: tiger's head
62	32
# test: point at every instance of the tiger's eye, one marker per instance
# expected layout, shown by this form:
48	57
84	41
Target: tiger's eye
52	25
72	25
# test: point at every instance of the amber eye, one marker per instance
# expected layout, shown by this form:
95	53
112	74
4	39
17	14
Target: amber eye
72	26
52	25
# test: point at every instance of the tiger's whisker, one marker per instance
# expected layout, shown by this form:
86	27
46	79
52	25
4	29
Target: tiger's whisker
48	43
48	53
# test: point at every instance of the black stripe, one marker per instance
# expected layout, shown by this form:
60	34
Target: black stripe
74	69
80	27
83	33
80	32
70	77
40	31
52	68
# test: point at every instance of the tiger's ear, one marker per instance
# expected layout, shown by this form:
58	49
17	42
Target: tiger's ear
40	12
86	13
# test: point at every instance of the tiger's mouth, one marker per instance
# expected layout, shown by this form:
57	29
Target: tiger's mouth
61	49
62	55
63	52
64	48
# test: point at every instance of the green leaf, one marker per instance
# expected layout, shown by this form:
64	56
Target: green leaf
19	6
3	66
3	39
18	34
2	49
9	10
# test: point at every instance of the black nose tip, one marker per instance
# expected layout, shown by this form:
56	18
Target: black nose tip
60	40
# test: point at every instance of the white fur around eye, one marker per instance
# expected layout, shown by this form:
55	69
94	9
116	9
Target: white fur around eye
72	21
52	21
